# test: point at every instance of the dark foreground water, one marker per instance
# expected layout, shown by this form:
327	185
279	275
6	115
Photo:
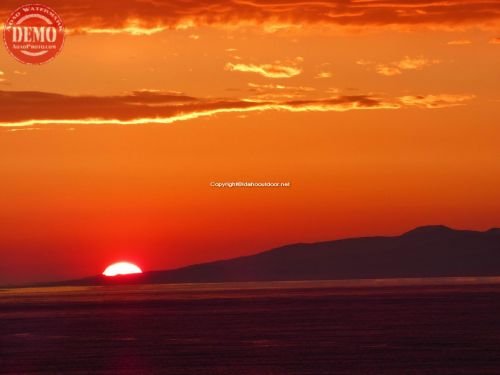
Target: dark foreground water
259	329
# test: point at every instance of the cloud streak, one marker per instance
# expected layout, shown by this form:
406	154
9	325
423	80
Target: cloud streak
436	101
398	67
278	91
24	109
145	17
30	109
459	42
322	75
275	70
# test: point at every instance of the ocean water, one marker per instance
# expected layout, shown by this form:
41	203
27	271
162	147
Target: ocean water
369	327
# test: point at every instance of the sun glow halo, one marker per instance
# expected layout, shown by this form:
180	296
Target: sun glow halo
121	268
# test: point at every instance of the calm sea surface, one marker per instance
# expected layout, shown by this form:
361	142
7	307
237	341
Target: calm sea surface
372	327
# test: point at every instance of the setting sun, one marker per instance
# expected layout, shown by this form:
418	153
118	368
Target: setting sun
121	268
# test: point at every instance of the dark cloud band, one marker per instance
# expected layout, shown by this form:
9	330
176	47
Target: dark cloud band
130	15
30	108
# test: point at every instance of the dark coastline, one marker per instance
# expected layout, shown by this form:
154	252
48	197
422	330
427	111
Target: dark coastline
434	251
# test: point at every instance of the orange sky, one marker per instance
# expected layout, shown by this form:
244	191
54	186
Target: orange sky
382	114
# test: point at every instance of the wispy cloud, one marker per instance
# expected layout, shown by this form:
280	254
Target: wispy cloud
364	62
459	42
272	86
398	67
416	63
136	27
324	74
274	70
278	91
495	41
387	70
436	101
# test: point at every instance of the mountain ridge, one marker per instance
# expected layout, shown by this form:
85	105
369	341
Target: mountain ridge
426	251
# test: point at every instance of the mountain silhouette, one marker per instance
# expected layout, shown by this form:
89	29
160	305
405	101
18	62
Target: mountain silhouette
429	251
